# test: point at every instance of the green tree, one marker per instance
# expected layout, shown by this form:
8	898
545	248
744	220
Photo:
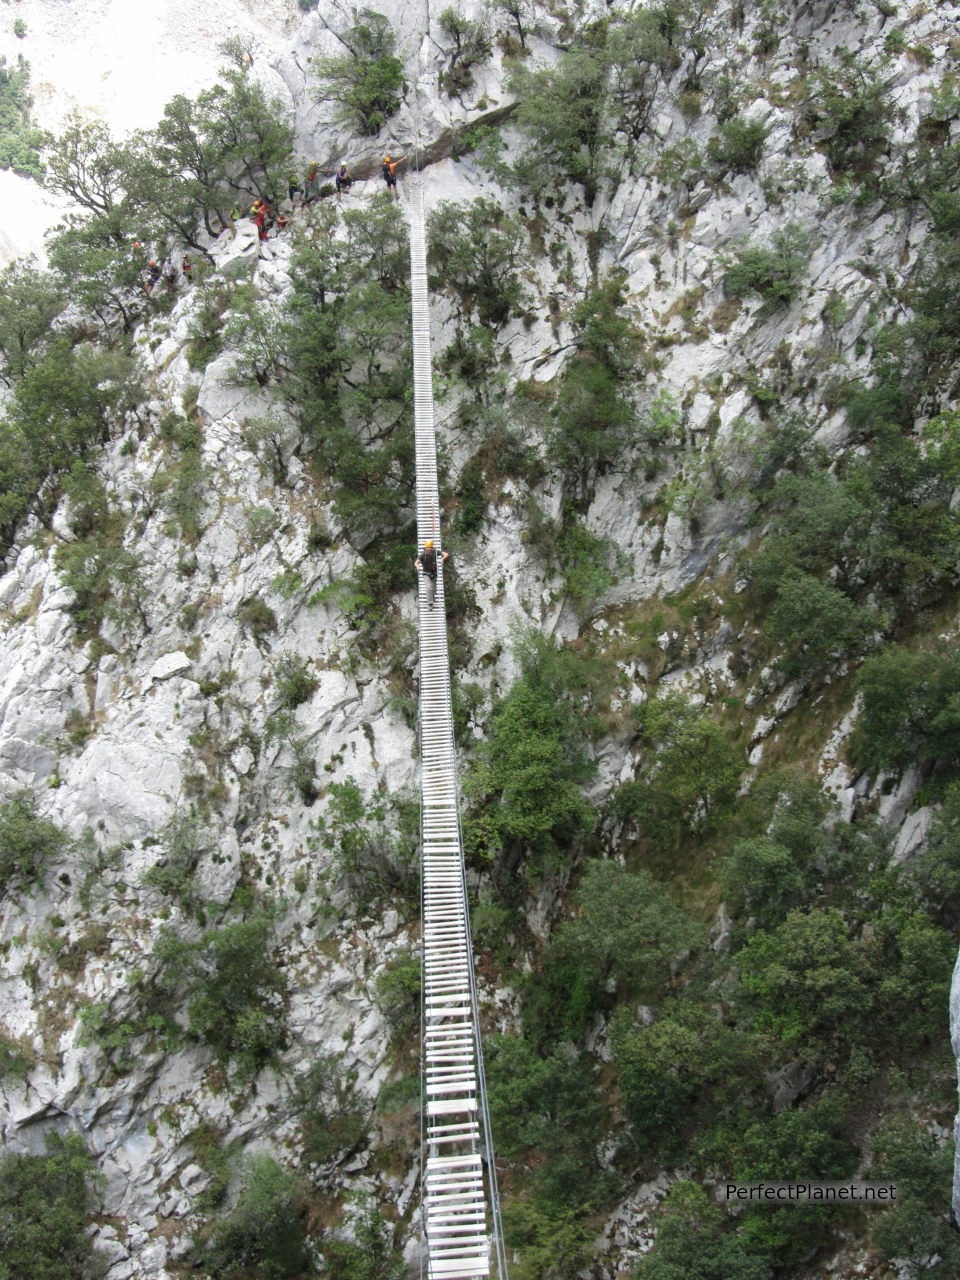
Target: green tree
562	110
627	933
30	300
525	789
689	777
27	842
546	1109
776	272
347	336
817	625
397	992
853	109
367	82
807	979
332	1117
911	710
263	1237
935	870
373	843
469	44
738	145
231	988
476	249
593	416
694	1243
688	1065
369	1253
84	163
44	1205
918	1230
99	272
20	140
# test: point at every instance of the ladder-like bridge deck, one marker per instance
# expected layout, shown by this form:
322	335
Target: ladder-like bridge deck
460	1209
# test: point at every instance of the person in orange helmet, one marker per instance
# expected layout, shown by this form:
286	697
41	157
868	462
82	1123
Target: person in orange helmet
427	564
390	174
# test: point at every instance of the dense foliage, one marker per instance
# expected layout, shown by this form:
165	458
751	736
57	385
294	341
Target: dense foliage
45	1202
366	83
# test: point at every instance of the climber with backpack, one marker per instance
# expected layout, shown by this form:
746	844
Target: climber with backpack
427	564
390	174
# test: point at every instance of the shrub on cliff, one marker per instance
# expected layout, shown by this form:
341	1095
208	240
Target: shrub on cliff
44	1204
367	82
27	842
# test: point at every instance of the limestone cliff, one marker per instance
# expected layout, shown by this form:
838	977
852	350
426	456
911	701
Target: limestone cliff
171	711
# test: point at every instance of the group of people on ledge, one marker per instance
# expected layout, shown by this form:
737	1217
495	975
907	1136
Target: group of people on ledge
303	190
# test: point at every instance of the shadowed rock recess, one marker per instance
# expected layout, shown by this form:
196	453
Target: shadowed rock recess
695	285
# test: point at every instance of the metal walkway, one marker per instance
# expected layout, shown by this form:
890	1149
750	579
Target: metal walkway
460	1205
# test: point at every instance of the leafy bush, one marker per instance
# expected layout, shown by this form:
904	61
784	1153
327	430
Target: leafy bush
854	110
368	82
257	616
397	993
739	145
16	1058
103	574
20	140
263	1237
818	625
774	273
585	564
593	417
27	842
546	1108
332	1118
470	44
562	110
30	300
44	1205
369	1254
935	870
231	988
293	682
476	249
526	804
693	1241
184	845
64	404
911	710
917	1231
373	843
627	933
689	777
348	355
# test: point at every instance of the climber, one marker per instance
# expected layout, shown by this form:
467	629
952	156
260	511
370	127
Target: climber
311	188
294	188
259	212
281	222
343	180
186	266
426	563
169	272
153	275
390	174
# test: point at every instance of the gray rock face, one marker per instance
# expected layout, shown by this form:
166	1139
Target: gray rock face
178	716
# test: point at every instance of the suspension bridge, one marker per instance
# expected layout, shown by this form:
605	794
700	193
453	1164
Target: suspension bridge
459	1201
